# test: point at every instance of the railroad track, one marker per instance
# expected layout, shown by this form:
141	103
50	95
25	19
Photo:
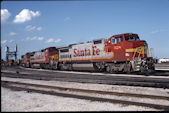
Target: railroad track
157	73
113	80
55	90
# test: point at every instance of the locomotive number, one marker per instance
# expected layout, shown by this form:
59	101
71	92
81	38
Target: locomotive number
117	47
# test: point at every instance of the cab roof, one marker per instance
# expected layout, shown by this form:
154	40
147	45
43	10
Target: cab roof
118	35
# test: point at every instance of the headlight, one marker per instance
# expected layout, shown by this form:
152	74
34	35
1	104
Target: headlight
127	54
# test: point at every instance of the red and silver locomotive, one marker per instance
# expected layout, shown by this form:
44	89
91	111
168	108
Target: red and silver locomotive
46	58
119	53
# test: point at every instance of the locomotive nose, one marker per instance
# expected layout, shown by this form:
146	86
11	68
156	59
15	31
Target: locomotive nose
140	49
140	43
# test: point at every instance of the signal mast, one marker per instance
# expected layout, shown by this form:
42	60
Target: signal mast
10	54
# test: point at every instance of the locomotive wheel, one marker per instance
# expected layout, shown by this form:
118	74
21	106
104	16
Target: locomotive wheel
28	65
51	64
146	71
42	66
96	68
99	66
128	68
70	67
61	67
31	65
25	65
108	69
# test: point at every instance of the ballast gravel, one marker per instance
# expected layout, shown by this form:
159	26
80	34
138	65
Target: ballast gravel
24	101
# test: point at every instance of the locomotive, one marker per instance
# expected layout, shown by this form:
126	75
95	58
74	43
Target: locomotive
46	58
118	53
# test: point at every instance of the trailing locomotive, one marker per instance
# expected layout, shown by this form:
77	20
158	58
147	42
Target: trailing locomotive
119	53
46	58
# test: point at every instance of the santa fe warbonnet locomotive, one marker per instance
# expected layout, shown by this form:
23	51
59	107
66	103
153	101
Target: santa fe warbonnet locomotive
122	52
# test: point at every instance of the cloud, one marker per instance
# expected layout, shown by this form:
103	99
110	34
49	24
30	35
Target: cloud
154	32
12	33
32	28
39	28
4	15
51	40
4	42
67	19
11	41
25	15
157	31
35	38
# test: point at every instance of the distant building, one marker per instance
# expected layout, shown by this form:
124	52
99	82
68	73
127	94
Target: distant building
163	60
151	52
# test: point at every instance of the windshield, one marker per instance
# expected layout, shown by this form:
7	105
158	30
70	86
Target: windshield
52	49
131	38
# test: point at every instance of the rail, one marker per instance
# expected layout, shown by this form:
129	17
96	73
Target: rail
35	88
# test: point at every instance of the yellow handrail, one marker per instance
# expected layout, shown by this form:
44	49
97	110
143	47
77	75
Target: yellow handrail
139	50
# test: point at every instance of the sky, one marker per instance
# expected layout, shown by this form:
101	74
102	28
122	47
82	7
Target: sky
35	25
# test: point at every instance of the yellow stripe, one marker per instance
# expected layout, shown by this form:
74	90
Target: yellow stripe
138	49
130	50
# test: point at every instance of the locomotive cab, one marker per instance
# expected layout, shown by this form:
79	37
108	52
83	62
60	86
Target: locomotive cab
137	53
130	49
126	47
135	48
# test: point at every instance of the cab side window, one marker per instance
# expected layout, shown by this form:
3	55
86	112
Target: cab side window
113	40
117	40
121	38
97	42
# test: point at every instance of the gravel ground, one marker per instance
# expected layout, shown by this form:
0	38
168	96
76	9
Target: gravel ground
127	89
23	101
